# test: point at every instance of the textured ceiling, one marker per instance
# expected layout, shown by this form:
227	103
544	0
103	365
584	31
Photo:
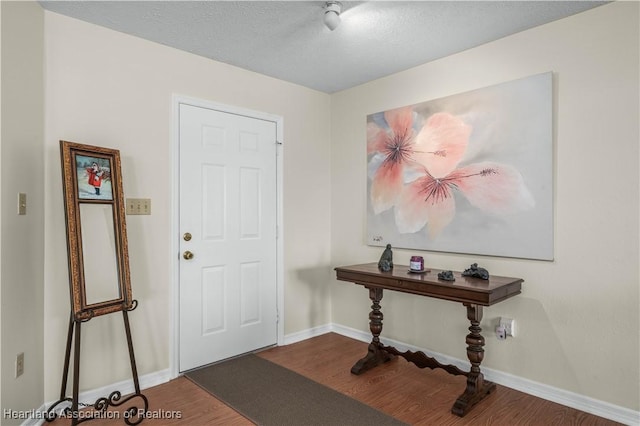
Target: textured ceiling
288	40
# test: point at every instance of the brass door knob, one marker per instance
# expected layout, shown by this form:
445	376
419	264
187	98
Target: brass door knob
187	255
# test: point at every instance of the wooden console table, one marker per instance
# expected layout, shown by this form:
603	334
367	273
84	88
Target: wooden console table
473	293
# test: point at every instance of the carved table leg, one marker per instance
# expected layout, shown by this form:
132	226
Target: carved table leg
375	355
477	387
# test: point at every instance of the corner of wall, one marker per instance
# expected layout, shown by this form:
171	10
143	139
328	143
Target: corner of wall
1	404
22	243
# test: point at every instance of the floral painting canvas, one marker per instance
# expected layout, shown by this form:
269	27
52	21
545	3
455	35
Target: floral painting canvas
469	173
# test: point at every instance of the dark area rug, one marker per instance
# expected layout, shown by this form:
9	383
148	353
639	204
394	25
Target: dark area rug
268	394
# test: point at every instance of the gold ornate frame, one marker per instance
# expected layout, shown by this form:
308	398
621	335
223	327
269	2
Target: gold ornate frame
76	198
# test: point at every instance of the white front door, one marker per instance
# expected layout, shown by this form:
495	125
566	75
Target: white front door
228	216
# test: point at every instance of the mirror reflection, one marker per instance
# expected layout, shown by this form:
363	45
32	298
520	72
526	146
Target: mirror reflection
99	253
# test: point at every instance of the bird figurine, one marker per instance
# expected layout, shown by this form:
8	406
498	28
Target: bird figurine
385	264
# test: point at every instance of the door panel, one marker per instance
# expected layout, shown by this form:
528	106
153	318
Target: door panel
228	205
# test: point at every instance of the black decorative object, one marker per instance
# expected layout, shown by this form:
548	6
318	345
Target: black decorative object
446	276
385	264
477	272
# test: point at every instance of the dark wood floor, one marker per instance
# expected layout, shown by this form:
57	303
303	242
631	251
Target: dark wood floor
398	388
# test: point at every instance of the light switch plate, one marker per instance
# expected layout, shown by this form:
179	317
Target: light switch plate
22	203
138	206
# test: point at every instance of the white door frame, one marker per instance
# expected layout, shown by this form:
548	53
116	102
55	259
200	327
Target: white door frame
175	217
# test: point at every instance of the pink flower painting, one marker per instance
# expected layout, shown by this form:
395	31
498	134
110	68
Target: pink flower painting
444	176
393	147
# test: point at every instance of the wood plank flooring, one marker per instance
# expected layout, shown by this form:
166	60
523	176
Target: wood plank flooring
398	388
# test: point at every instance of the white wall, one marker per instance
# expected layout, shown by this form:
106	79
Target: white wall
577	316
22	170
109	89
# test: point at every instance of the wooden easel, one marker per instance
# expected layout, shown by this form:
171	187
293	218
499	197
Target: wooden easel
132	416
93	193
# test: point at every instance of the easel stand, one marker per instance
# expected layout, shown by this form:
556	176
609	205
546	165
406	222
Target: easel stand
132	415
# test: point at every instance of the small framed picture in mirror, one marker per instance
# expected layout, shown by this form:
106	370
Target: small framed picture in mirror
94	178
96	231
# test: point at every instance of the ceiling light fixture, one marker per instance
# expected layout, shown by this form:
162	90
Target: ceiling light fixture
332	14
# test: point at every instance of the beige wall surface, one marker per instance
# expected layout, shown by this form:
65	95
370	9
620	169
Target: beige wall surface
109	89
578	316
22	170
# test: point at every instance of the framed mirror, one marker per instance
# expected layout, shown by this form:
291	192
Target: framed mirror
96	231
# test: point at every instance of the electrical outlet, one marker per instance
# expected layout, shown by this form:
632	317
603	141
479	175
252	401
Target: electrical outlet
509	326
501	333
20	364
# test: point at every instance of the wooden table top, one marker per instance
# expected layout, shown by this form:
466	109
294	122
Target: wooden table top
464	289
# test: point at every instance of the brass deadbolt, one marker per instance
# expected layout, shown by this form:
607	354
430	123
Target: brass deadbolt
187	236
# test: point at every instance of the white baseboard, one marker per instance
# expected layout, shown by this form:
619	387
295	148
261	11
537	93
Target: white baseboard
540	390
89	397
307	334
